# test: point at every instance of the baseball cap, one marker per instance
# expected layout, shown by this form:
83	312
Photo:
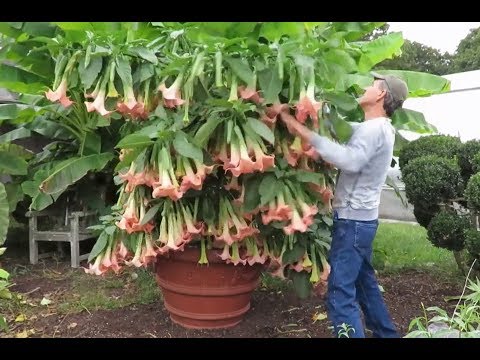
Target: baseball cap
397	87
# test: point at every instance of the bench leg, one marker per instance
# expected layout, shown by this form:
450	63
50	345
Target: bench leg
33	245
75	253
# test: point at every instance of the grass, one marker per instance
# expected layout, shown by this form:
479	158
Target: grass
400	247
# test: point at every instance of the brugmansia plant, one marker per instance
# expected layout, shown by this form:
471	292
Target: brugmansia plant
203	160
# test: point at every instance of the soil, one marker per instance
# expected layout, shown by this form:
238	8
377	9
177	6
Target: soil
274	313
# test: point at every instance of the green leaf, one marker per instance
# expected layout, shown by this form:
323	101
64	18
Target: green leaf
2	250
133	141
240	68
81	26
70	171
375	51
109	230
3	323
343	101
5	294
142	73
145	54
341	58
90	73
309	177
270	84
301	283
16	134
293	255
24	88
185	148
14	195
150	214
343	130
261	129
273	31
124	71
206	130
93	143
12	73
420	84
4	217
99	246
128	158
268	188
16	150
39	29
389	181
252	196
12	164
10	111
406	119
4	274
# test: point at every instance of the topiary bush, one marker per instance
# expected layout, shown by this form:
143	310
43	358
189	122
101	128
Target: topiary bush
472	242
472	192
466	155
430	180
447	230
476	163
440	145
424	213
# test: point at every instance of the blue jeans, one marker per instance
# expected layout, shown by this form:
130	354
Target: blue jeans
352	282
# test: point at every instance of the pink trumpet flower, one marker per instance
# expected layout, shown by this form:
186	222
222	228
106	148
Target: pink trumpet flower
60	94
171	95
249	93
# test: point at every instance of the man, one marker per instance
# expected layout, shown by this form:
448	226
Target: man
363	163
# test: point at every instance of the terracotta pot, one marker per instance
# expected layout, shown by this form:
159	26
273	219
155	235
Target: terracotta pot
210	296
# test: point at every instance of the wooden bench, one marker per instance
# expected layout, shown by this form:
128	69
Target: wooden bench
74	231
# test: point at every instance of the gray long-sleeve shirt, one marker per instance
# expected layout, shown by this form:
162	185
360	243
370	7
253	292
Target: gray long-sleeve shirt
363	163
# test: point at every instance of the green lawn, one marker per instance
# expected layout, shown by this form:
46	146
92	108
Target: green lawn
404	246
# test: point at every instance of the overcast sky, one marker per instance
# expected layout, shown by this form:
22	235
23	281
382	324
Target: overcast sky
444	36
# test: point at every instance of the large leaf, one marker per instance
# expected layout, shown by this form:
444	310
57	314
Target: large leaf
186	148
92	143
241	69
261	129
206	130
11	111
16	134
49	129
144	53
12	164
252	196
24	88
406	119
270	84
82	26
39	29
134	141
420	84
99	246
291	256
16	150
89	74
375	51
4	217
301	283
14	195
390	182
273	31
70	171
11	73
268	188
342	58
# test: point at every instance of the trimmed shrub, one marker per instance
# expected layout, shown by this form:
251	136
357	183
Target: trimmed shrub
424	214
472	242
440	145
466	155
431	179
447	230
472	192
